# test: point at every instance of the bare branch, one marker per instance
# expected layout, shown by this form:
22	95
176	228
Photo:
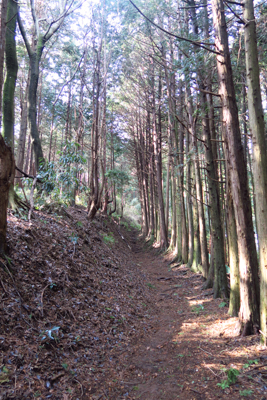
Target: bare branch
234	2
208	92
35	20
57	22
66	83
23	34
235	14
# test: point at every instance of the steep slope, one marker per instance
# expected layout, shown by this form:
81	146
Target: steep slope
67	309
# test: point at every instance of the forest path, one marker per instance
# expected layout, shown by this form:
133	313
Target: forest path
190	340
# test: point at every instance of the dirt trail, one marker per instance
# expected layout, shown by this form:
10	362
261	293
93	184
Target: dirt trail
87	314
190	343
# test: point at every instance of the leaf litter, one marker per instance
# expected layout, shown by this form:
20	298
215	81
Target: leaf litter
84	316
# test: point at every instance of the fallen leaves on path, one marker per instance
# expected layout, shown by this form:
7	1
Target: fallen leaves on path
87	313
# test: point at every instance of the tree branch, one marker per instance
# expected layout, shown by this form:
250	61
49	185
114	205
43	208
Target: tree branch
59	21
172	34
235	14
234	2
208	92
24	36
35	20
66	83
27	175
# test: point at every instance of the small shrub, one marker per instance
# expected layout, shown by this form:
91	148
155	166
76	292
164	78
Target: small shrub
197	309
232	375
109	238
245	392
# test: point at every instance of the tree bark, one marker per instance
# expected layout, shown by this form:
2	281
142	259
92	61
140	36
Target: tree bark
7	172
220	279
234	303
22	132
256	121
35	53
11	74
199	196
2	49
248	263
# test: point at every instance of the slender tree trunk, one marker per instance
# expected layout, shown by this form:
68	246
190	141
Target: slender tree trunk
234	303
32	109
157	157
220	279
189	207
68	116
199	196
181	184
7	172
174	210
256	120
163	236
23	131
167	202
95	195
2	49
51	134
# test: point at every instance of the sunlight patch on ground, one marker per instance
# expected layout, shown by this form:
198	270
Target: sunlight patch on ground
244	351
199	302
227	328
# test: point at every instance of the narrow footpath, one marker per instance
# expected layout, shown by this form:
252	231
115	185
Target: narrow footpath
87	312
191	342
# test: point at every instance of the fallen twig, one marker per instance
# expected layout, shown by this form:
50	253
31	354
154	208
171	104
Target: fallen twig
205	351
42	304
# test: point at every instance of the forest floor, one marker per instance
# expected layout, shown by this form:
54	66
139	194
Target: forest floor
87	312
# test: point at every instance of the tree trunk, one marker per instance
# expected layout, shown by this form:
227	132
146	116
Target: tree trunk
7	172
220	279
248	263
199	196
163	236
11	75
22	132
234	303
95	195
2	49
32	109
189	207
35	54
256	121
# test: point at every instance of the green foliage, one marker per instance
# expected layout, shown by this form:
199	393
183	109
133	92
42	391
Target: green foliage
151	286
245	392
197	309
249	363
60	178
232	375
222	304
74	238
109	238
135	225
4	372
65	366
119	177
